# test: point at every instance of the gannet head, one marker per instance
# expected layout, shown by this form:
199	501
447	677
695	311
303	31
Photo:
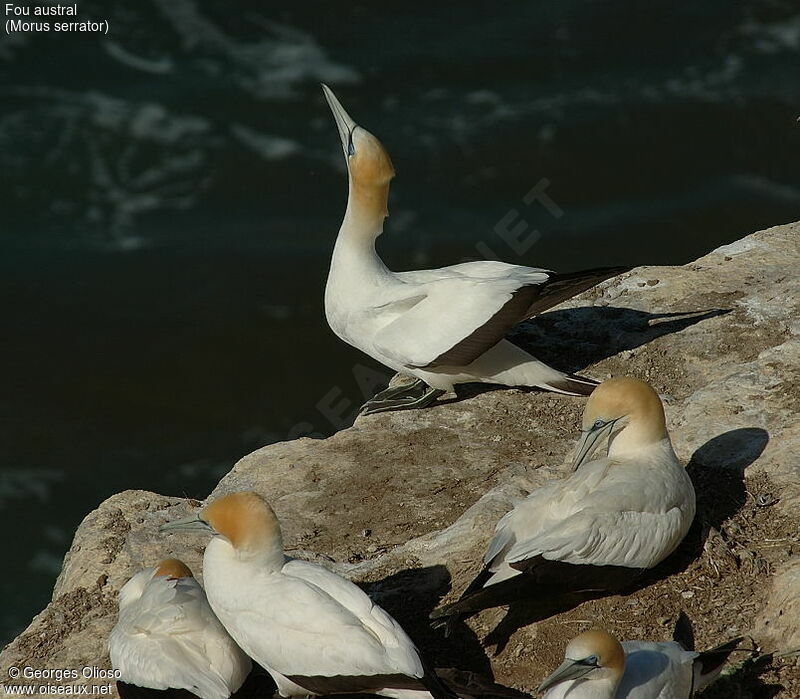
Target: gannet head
244	519
169	568
594	655
368	163
172	569
624	411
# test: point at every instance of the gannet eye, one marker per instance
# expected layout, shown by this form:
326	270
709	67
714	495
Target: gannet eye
598	424
591	660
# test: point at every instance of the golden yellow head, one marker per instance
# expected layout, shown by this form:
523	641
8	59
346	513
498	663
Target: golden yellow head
173	569
594	655
368	164
626	412
598	644
622	397
245	519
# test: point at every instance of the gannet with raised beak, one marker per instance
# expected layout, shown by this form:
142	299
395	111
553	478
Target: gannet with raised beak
441	326
600	528
597	666
167	637
313	631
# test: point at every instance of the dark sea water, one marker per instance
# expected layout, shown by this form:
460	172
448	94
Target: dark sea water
170	194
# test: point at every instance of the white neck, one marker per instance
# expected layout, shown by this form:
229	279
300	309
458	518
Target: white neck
632	440
604	688
354	252
221	554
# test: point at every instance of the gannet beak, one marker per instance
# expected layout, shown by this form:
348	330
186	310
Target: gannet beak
589	439
344	123
191	523
568	670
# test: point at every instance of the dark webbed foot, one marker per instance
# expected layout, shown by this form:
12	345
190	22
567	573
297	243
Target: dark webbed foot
407	397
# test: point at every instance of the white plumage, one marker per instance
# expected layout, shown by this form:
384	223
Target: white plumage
621	512
302	620
597	666
312	630
168	637
443	326
600	527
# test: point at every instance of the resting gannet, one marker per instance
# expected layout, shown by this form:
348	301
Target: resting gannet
313	631
441	326
597	666
167	637
600	528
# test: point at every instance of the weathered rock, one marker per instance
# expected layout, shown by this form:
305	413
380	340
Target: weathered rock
405	502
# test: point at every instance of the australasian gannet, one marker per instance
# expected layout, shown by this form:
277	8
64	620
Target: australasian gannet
313	631
601	527
167	637
597	666
442	326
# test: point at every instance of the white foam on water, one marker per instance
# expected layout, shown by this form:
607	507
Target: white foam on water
23	484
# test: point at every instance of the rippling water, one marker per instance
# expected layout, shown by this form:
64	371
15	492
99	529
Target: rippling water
171	192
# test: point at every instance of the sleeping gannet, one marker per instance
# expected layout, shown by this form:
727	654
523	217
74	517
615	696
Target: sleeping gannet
597	666
442	326
313	631
603	526
167	637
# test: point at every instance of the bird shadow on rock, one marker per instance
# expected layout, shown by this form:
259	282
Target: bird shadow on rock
745	681
409	596
572	339
717	471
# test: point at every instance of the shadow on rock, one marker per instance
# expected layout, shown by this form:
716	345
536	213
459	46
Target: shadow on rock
572	339
745	682
410	596
717	471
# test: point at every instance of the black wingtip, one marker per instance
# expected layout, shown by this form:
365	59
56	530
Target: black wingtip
711	661
683	632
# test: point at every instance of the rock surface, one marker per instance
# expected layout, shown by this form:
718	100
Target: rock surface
405	502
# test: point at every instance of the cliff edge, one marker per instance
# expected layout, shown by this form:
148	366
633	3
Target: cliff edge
406	502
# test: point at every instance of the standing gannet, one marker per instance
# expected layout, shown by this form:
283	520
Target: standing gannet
167	637
442	326
313	631
600	528
597	666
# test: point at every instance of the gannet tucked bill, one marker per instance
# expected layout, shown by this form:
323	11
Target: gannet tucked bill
442	326
167	637
598	529
597	666
313	631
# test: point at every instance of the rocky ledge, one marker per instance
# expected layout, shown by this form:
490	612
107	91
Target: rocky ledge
406	502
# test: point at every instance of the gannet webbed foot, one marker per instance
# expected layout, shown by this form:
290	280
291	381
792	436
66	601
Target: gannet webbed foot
407	397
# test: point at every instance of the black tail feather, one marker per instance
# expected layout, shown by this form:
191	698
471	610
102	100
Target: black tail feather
434	684
683	632
711	661
541	581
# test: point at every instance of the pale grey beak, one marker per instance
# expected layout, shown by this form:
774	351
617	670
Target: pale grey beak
589	440
192	523
344	123
568	670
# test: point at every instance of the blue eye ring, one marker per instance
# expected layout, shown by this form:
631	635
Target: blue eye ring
591	660
598	424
